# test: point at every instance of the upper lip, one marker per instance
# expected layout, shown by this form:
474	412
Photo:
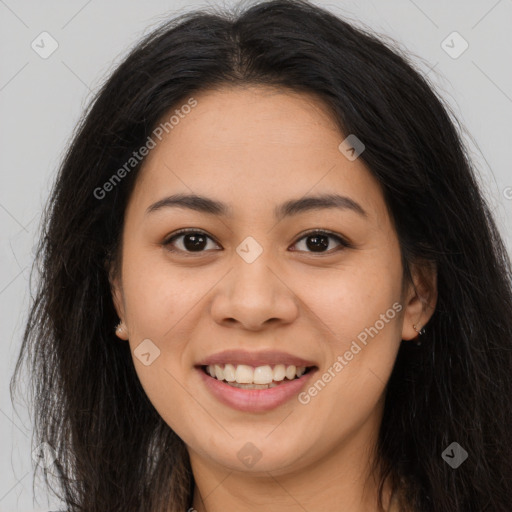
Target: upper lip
262	358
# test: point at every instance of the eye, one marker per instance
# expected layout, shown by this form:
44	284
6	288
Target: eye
193	241
318	241
196	241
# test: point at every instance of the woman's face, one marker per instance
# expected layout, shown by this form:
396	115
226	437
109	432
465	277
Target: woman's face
249	287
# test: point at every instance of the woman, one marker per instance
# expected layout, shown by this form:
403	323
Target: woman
269	281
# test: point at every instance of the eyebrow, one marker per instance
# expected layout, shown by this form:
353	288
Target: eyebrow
209	206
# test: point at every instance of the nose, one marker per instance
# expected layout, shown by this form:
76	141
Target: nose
254	295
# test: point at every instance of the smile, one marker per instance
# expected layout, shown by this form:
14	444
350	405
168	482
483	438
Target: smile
262	377
255	389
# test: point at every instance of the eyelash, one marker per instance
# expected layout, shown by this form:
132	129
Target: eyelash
167	243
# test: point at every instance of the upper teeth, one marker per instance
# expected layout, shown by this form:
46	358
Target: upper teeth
244	374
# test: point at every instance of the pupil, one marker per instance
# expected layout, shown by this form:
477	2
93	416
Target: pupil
197	242
321	240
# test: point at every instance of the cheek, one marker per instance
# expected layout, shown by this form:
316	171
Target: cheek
358	311
351	384
345	301
361	334
159	294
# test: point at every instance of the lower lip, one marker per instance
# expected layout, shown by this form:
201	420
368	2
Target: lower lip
255	400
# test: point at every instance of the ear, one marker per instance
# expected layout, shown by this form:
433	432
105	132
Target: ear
420	298
118	299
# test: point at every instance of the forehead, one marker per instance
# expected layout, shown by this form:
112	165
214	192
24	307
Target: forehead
254	145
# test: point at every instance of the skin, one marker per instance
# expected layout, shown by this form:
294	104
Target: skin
254	148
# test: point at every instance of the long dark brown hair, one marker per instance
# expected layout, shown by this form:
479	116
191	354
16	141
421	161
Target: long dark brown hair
456	387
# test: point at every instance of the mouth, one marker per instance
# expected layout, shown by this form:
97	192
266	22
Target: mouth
244	376
255	389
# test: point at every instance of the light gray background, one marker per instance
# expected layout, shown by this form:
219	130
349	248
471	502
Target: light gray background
42	99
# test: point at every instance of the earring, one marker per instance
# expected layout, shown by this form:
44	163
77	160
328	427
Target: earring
420	332
119	328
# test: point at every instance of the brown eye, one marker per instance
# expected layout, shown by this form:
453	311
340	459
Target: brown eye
318	241
191	241
188	241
